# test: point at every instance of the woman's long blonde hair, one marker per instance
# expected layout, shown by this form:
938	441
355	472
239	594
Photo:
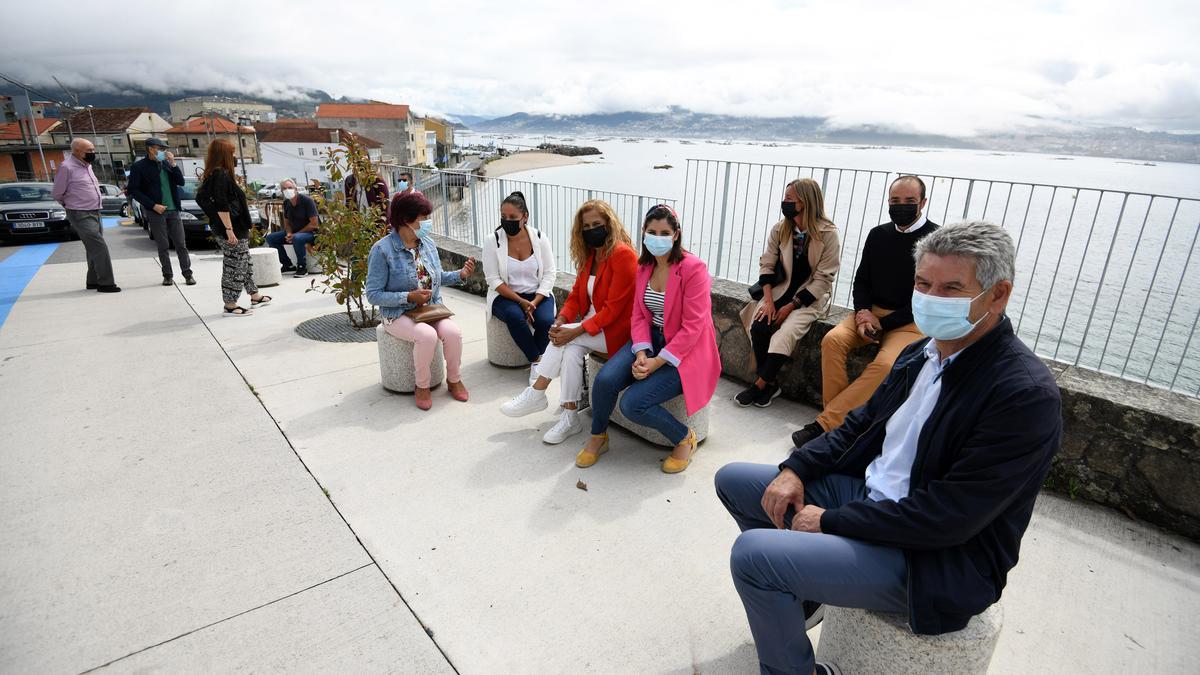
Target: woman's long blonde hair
616	232
808	191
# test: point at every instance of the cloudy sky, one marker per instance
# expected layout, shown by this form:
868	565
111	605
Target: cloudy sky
937	67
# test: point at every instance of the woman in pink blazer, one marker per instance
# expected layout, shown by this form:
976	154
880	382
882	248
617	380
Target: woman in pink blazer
672	350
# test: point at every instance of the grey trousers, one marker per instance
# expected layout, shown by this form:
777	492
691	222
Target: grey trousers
88	226
775	570
167	229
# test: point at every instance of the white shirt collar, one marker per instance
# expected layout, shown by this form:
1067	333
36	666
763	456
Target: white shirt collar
932	353
915	226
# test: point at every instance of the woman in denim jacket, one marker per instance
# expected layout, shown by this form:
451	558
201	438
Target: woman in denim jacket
404	272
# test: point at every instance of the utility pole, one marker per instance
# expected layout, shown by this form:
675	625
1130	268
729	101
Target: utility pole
241	156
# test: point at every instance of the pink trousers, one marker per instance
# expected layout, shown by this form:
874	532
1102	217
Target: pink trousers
424	337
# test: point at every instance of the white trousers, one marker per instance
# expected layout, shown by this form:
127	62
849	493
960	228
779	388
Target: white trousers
567	361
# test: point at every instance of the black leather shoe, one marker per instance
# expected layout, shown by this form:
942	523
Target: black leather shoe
92	287
108	289
809	432
168	281
190	280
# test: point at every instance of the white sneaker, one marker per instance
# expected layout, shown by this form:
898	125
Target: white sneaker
527	402
533	374
568	425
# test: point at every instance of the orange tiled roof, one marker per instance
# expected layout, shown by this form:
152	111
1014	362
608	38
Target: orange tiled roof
11	131
201	125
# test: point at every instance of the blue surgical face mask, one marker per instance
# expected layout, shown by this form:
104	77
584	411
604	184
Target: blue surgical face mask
943	318
161	155
402	185
658	244
426	227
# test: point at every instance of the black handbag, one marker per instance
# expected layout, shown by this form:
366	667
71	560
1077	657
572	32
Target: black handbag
756	290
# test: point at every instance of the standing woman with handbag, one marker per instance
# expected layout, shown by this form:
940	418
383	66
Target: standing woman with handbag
224	203
518	265
404	280
796	273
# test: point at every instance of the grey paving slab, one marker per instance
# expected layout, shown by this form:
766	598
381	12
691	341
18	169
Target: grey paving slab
355	623
144	492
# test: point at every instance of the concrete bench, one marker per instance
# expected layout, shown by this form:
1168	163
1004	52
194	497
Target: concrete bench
396	371
502	350
861	641
697	423
264	265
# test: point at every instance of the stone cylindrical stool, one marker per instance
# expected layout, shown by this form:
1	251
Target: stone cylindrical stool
396	371
311	261
264	264
861	641
676	406
502	350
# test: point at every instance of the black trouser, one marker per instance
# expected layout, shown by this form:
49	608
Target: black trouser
769	364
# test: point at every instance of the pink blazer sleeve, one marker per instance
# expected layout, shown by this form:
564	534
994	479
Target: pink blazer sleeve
639	325
697	309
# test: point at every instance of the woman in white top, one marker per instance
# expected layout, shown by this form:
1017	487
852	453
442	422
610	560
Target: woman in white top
518	264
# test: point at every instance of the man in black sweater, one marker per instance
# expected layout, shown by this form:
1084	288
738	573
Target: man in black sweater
917	503
882	310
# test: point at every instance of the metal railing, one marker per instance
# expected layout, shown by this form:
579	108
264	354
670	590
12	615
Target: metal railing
466	206
1106	280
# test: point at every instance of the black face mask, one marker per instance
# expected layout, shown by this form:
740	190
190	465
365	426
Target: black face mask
89	157
595	237
789	209
903	215
511	227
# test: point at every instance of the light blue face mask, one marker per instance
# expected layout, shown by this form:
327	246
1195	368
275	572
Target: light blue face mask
402	185
658	244
944	318
426	228
161	155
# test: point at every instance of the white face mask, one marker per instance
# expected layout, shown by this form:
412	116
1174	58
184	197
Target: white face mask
289	193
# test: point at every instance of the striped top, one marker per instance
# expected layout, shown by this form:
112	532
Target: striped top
655	302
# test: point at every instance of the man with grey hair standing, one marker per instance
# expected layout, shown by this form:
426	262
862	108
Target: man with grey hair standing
917	503
76	188
154	181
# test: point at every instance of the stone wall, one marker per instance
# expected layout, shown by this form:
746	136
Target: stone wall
1126	445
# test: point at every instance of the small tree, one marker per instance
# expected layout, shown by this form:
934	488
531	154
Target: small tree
347	233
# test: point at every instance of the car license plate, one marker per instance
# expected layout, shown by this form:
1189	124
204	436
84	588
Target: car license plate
29	225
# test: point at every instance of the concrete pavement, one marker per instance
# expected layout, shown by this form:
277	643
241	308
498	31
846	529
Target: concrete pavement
164	496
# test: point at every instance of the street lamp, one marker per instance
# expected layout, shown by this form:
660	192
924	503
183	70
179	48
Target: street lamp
240	122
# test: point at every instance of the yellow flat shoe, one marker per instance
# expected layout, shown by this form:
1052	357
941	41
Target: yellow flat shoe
585	459
672	465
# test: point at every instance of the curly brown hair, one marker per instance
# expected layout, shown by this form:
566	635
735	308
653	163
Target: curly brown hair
616	232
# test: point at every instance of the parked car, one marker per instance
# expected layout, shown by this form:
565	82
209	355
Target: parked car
195	223
270	191
113	201
29	209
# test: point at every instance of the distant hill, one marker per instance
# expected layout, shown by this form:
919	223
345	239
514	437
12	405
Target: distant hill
682	123
302	106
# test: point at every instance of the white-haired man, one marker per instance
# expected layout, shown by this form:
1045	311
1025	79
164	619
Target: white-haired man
918	501
76	188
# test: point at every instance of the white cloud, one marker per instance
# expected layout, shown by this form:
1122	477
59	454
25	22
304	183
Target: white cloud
936	67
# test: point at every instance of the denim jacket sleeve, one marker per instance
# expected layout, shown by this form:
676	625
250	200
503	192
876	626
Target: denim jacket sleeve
377	278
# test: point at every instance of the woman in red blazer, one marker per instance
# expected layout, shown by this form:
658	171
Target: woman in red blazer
673	346
595	316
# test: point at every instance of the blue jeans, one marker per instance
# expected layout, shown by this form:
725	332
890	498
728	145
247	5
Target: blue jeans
775	570
277	240
643	399
531	341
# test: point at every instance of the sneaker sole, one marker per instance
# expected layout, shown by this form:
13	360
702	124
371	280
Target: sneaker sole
768	401
744	405
816	618
547	441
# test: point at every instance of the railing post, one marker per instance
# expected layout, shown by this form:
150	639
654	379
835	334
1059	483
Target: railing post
637	230
474	211
445	203
824	181
967	204
721	233
533	206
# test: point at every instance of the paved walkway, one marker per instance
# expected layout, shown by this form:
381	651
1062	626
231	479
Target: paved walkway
185	491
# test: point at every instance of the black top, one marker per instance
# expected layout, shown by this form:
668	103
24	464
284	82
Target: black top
885	273
801	271
299	214
220	192
982	456
145	182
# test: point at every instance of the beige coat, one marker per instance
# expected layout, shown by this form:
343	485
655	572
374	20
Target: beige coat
824	258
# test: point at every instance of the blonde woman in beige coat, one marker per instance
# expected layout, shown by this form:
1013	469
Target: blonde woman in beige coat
796	272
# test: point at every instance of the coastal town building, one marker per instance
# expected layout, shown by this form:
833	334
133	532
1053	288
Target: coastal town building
230	108
402	134
192	137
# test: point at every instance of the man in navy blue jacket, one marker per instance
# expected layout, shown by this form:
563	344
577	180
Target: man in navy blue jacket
154	181
918	502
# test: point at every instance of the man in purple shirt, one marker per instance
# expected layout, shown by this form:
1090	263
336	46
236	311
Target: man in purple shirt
76	188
